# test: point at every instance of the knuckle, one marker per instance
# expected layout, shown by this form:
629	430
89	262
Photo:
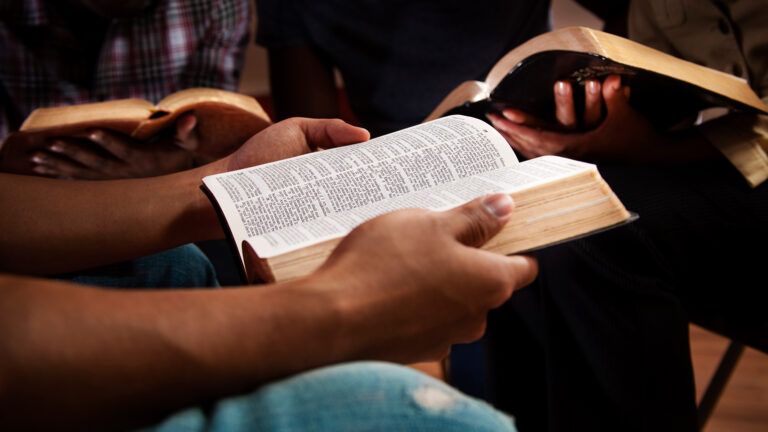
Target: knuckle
476	330
439	352
337	122
500	288
64	149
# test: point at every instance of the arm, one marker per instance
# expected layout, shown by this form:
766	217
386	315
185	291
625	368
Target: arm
83	358
60	226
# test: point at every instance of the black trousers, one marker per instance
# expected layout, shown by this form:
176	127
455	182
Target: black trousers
600	340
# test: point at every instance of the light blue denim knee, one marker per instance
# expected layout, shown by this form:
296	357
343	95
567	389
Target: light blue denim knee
182	267
354	397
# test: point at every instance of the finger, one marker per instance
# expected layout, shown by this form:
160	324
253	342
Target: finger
40	161
521	117
593	104
479	220
523	270
615	94
54	166
186	133
543	142
505	126
515	117
564	108
329	133
497	276
471	329
116	144
46	171
517	136
79	154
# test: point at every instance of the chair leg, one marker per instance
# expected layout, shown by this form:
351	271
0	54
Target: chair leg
719	380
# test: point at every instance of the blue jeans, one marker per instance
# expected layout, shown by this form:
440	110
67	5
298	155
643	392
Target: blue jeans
359	397
182	267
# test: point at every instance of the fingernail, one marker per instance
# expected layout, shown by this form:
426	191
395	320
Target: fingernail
512	116
560	88
499	205
593	87
57	147
95	135
41	169
38	158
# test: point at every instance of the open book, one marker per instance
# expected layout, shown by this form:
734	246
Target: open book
286	217
664	88
224	120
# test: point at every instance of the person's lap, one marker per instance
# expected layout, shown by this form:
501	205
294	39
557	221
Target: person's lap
182	267
357	397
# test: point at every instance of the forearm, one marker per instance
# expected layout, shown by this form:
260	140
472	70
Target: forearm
61	226
84	358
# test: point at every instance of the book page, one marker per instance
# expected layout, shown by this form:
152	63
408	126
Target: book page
276	196
512	178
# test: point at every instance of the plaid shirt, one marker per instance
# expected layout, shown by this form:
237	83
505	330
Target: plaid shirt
176	44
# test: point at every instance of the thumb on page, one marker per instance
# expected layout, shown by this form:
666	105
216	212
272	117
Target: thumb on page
477	221
325	133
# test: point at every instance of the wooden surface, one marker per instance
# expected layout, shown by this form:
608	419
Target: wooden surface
743	407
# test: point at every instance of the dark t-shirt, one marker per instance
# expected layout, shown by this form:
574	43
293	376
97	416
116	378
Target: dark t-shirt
399	58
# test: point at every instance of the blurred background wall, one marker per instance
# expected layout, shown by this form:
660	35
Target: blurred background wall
256	82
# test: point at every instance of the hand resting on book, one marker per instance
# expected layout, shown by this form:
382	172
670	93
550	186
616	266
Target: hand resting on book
100	154
617	132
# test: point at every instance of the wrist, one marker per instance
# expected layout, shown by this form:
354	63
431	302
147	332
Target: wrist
197	218
304	328
334	311
354	308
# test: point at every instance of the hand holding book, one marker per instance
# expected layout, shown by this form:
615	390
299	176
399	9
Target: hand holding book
666	89
609	129
285	218
138	138
101	154
403	264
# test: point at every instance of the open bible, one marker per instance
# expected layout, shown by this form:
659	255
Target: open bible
224	121
286	217
666	89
